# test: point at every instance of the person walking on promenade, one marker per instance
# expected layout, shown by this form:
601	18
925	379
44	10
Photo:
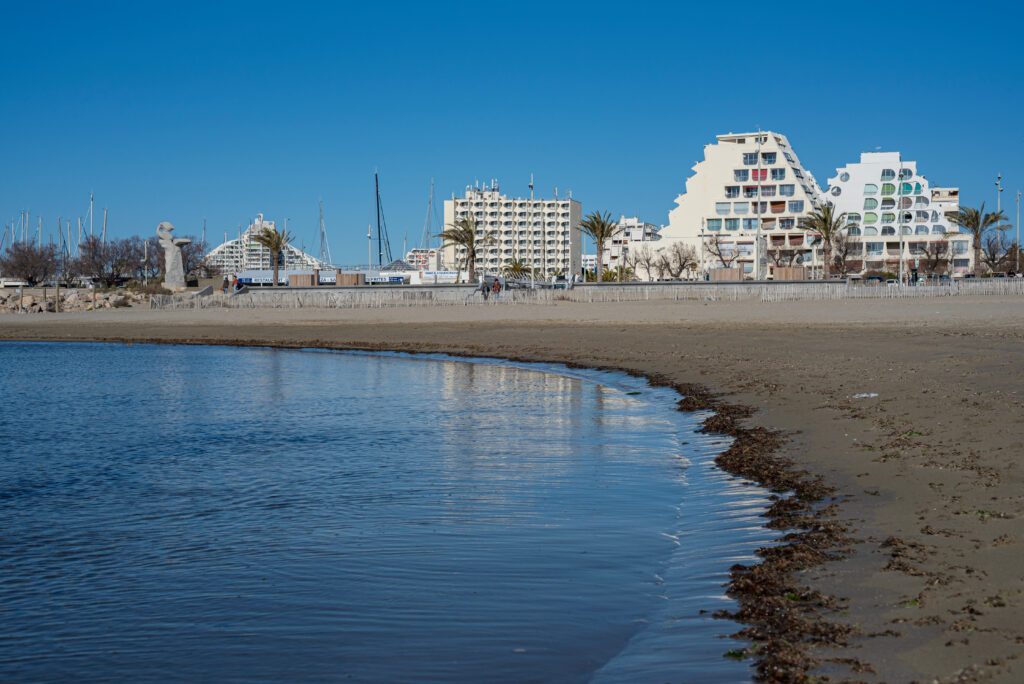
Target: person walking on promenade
224	286
496	288
485	289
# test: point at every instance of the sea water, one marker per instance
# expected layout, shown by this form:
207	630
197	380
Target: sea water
224	514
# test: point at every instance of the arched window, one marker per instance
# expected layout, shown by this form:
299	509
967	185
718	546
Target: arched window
888	230
888	174
888	203
870	217
938	230
906	230
920	230
853	230
852	218
870	230
887	189
870	189
870	203
888	217
906	188
905	174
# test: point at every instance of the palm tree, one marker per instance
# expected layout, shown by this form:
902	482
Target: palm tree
517	268
977	223
276	241
827	225
463	233
601	229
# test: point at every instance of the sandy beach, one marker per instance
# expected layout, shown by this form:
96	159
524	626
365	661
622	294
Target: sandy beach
910	409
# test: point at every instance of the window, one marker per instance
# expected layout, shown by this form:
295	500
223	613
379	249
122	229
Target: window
888	230
760	207
874	248
888	175
870	217
750	224
796	206
906	230
750	158
844	177
750	191
870	203
920	230
767	191
887	189
732	191
732	224
935	216
906	188
722	208
870	189
759	174
905	173
870	230
836	191
768	157
740	207
921	216
714	224
853	231
787	190
888	203
778	174
787	224
959	247
888	217
789	157
852	217
798	173
938	230
741	175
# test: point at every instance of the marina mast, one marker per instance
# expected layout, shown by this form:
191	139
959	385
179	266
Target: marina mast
325	248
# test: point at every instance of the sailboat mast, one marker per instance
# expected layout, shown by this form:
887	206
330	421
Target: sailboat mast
104	238
380	244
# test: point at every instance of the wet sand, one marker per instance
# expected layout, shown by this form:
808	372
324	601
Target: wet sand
927	473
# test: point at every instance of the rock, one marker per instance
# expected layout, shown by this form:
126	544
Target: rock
28	302
119	301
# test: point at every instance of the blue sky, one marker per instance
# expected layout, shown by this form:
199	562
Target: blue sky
184	111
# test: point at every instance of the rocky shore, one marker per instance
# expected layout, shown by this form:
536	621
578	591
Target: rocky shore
45	301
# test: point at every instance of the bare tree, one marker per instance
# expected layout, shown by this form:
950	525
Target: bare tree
842	245
935	256
630	261
783	256
992	253
681	258
111	262
724	251
29	262
645	259
662	266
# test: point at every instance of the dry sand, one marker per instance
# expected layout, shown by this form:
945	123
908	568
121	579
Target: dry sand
929	471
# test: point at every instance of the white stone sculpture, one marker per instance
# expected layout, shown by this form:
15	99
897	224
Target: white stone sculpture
174	270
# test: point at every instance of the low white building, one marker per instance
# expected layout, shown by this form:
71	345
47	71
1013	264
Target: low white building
245	254
892	211
543	234
744	204
634	234
425	258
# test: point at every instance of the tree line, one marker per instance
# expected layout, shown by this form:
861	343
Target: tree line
108	262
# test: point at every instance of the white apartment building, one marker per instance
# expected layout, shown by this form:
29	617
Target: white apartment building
542	233
632	237
245	254
743	206
424	258
890	210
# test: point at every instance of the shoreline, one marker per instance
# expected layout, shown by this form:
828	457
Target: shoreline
825	589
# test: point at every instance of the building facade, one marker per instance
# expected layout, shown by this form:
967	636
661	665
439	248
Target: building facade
543	234
424	258
892	212
743	207
632	237
245	254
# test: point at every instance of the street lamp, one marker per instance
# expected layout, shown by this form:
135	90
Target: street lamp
999	208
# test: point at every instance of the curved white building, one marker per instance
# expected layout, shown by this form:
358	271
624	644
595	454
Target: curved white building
245	254
891	210
749	186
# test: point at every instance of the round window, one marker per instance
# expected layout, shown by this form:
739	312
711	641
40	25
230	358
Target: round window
844	177
836	191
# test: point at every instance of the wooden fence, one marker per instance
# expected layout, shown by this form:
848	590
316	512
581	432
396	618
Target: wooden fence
454	295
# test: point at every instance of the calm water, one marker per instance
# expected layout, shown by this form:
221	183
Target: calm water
184	513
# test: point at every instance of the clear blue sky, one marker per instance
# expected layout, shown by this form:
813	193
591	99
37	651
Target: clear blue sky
180	111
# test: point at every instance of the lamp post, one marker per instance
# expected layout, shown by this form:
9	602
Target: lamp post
999	208
1018	232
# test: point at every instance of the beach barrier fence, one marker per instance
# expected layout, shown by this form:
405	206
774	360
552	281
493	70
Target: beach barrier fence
376	297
